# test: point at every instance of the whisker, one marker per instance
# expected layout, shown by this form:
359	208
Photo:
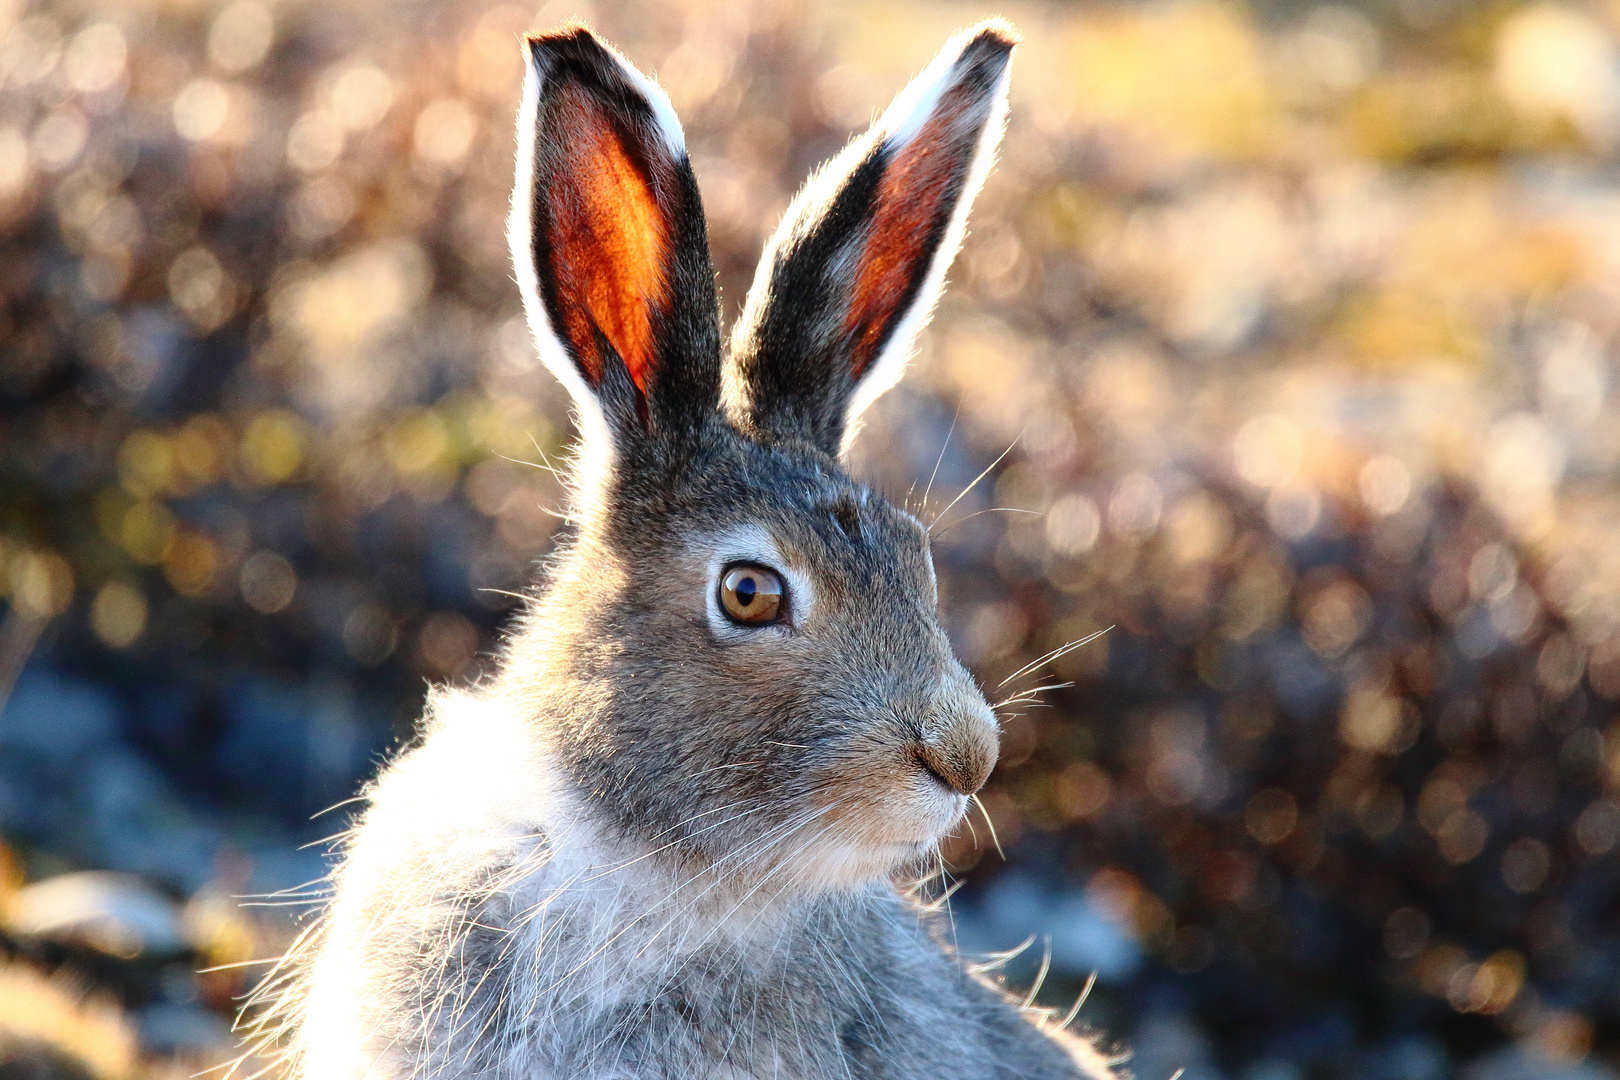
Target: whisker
499	592
1056	654
964	492
1026	697
531	465
1040	976
1074	1010
334	838
978	513
544	464
957	415
312	887
1021	703
989	824
339	806
240	964
1001	959
944	897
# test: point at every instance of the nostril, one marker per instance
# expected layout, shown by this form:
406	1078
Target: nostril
953	775
929	768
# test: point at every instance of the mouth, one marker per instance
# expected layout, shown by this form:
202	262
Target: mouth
939	778
943	810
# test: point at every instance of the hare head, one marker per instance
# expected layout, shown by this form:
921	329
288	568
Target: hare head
737	661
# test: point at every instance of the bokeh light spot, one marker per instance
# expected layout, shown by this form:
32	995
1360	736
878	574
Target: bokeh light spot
240	36
272	446
118	614
200	109
444	132
94	60
268	582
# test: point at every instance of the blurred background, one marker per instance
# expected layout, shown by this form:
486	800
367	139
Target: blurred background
1285	336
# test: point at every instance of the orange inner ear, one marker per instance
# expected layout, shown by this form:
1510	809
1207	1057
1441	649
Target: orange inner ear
909	202
608	243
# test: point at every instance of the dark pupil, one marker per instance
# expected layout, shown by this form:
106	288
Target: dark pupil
746	590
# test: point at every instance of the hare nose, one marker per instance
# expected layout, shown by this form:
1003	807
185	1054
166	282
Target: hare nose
962	753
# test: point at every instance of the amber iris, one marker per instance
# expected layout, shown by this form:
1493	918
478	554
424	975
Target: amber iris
751	595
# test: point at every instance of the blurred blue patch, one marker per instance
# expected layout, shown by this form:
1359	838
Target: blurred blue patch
1170	1041
1303	684
48	728
297	745
55	719
1014	906
1417	1057
136	822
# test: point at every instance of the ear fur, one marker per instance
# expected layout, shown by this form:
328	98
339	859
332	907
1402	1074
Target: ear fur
857	264
609	243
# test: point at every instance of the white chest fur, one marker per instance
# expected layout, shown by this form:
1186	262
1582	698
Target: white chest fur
482	926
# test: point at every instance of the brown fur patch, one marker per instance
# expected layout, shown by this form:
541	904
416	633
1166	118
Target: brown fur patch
610	240
911	197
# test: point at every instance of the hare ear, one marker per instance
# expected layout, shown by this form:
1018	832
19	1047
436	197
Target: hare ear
609	243
854	270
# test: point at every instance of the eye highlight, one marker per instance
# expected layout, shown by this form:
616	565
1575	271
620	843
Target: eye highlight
751	595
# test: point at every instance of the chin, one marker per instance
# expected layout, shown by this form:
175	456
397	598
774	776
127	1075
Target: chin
935	814
884	839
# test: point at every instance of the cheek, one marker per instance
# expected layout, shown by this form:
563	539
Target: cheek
777	682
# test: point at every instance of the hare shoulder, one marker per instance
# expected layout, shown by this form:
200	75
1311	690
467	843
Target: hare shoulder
541	941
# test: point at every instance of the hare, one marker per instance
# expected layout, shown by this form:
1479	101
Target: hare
660	841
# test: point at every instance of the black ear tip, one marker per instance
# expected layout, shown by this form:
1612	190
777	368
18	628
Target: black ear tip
985	54
994	36
569	40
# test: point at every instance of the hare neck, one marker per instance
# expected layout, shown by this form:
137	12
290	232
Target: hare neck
503	800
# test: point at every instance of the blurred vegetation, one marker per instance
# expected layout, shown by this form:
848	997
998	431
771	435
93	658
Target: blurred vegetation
1298	321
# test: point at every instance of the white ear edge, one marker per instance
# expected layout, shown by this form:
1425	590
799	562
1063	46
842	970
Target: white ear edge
520	234
912	106
554	354
669	125
901	121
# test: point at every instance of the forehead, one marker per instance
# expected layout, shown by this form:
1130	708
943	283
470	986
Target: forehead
797	493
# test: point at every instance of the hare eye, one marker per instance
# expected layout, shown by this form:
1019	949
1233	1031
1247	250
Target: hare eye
751	595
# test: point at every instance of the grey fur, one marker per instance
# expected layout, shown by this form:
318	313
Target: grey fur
657	844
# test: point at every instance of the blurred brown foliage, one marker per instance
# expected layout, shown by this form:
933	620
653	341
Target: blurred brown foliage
1295	324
